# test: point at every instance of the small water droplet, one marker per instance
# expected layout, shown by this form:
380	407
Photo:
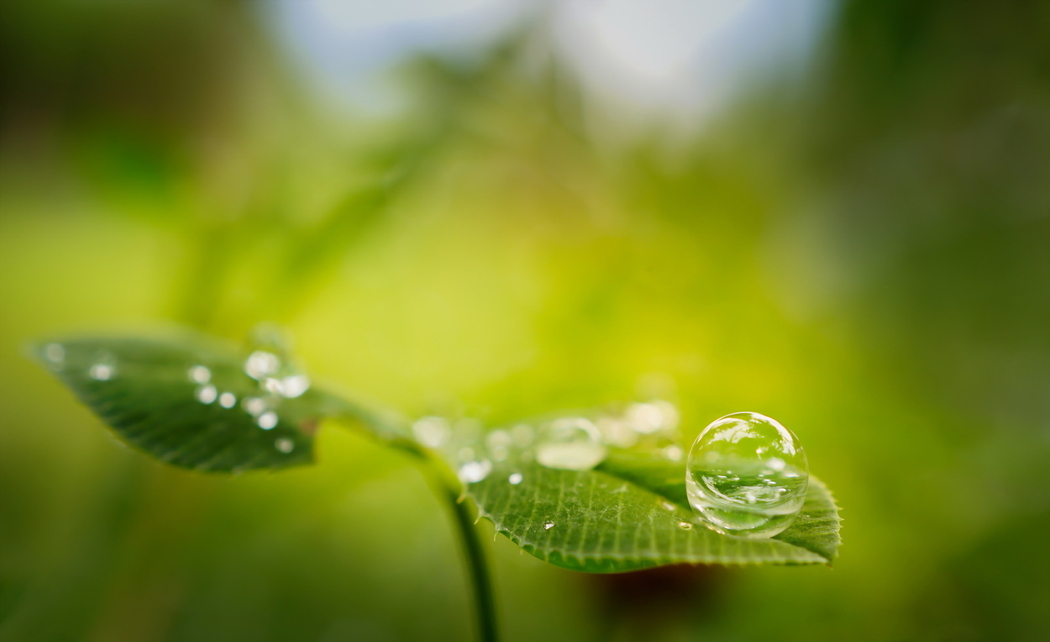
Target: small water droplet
295	386
474	471
102	372
667	505
522	434
548	525
261	364
55	354
284	445
206	394
199	374
685	526
571	443
227	400
499	443
515	478
617	432
267	420
645	418
273	386
432	432
746	475
254	406
674	453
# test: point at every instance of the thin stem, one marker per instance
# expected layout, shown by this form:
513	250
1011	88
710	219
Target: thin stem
447	488
477	565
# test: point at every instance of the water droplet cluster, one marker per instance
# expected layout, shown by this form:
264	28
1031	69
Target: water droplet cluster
746	475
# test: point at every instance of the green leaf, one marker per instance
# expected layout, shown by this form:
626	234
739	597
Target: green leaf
187	400
632	513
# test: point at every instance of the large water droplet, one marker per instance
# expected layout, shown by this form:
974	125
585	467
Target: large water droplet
729	469
572	443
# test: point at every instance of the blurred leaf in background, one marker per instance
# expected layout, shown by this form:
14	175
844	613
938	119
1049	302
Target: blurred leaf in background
857	245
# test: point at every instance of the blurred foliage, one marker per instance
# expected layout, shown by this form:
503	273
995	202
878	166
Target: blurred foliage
862	255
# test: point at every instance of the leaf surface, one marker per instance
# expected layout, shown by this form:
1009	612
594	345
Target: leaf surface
630	513
188	401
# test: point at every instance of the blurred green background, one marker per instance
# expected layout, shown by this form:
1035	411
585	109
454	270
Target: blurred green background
854	240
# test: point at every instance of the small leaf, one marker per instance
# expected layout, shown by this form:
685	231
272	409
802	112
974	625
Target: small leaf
188	401
632	513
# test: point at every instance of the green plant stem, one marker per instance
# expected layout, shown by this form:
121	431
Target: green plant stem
473	552
447	487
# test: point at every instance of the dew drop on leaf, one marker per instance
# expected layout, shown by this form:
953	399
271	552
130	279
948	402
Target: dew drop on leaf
206	394
261	364
200	374
474	471
267	420
284	445
101	372
522	434
55	355
548	525
729	470
432	432
515	478
570	443
227	400
254	406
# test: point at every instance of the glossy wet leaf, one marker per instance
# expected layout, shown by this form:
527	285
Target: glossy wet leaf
631	513
187	401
